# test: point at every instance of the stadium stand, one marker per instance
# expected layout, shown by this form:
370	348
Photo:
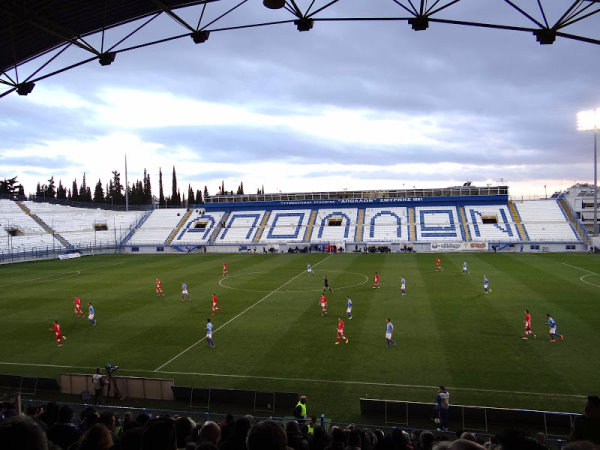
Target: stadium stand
440	221
335	225
389	224
491	223
286	225
545	221
157	228
199	228
23	233
240	227
84	227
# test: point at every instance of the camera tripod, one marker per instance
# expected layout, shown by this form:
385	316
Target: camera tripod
110	381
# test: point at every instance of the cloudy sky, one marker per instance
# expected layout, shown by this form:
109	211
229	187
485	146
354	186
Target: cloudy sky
346	105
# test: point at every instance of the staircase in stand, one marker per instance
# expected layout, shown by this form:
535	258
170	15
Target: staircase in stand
263	223
219	227
311	224
136	227
463	221
360	225
517	219
575	223
44	225
183	220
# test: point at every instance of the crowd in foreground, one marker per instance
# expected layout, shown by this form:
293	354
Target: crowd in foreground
56	428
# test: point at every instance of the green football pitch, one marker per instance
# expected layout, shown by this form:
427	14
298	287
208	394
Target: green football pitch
270	334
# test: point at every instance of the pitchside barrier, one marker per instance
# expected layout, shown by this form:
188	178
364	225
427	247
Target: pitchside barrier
28	385
474	418
132	387
201	398
165	389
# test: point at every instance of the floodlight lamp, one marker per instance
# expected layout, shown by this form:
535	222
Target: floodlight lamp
588	120
106	58
201	36
274	4
304	24
25	88
419	23
545	36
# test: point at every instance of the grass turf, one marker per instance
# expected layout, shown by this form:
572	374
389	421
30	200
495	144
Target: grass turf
270	334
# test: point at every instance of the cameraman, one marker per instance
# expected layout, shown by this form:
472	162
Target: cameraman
98	382
110	381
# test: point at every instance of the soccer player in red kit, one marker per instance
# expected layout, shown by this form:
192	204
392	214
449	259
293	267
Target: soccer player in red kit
376	281
214	304
527	321
340	331
77	304
159	290
438	264
225	269
57	333
323	302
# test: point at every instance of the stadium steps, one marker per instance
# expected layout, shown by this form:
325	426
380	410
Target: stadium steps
411	224
311	224
183	220
517	220
136	227
360	225
575	223
219	227
463	221
262	227
44	225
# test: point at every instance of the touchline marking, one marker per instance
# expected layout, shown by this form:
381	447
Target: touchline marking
582	278
233	318
57	366
370	383
307	380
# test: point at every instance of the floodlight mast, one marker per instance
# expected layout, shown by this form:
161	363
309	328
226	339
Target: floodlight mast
590	121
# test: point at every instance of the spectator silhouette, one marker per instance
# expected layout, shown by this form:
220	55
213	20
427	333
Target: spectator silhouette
237	439
295	439
587	426
64	432
22	433
98	437
338	439
210	432
267	435
159	434
184	426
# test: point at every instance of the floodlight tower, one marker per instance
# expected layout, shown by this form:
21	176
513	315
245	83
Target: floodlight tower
590	121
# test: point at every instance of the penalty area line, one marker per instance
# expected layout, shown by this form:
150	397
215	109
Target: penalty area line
582	278
235	317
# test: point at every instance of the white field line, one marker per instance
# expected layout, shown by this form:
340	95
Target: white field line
55	277
240	314
582	278
311	380
293	292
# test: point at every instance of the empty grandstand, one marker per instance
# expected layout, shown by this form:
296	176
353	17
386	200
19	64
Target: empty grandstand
448	219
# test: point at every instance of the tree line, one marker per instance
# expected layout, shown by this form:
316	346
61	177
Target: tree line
113	192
